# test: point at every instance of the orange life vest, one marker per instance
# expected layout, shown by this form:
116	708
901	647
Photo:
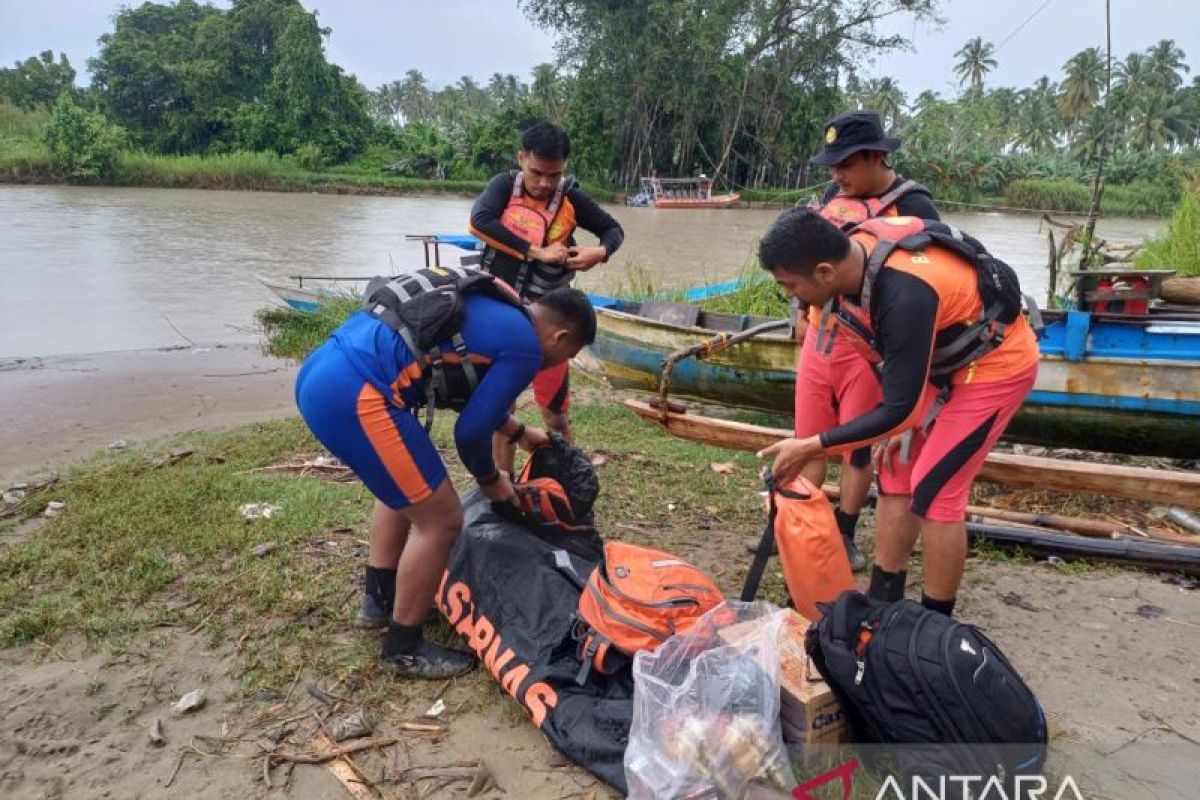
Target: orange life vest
974	318
540	225
847	210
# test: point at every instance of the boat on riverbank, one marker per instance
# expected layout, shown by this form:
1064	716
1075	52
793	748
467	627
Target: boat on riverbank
1114	382
309	298
683	193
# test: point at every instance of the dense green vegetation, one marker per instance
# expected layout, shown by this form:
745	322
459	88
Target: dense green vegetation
1179	247
247	95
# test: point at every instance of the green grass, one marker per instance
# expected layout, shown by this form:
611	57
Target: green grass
141	547
230	171
294	334
16	123
1136	199
1179	247
24	158
758	294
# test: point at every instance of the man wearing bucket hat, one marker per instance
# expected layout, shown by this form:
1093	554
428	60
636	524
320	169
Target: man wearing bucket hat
834	383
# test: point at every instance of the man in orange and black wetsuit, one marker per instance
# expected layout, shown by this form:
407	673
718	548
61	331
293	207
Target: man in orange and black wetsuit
917	303
833	383
527	220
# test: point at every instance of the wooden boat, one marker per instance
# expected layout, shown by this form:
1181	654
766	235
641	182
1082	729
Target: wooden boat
303	298
685	193
1110	382
298	297
1169	487
310	298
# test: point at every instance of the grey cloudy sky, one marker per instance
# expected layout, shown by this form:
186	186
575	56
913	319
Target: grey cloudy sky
378	40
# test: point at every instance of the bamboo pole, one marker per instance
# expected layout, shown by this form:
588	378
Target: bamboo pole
1135	483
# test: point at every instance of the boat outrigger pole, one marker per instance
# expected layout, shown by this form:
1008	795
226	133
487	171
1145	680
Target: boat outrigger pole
722	341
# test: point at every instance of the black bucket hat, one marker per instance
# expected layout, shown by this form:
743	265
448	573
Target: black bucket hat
850	133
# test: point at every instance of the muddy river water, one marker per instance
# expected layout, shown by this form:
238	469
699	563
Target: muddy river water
85	270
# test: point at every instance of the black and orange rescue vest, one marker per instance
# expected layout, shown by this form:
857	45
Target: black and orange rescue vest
847	211
540	225
970	324
426	308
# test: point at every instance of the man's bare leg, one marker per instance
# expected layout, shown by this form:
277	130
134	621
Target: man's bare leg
503	453
388	532
895	537
559	422
435	524
944	556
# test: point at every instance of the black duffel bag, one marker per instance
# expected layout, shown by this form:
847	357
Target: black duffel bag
512	595
938	689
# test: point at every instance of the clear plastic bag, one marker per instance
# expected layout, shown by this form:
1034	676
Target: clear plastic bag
706	708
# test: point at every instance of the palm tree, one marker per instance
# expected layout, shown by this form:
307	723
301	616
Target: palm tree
545	89
384	102
1037	127
475	100
1085	146
495	88
1158	120
1164	61
505	90
1004	105
886	97
926	102
1190	100
1080	90
415	99
855	91
974	61
1133	71
1132	79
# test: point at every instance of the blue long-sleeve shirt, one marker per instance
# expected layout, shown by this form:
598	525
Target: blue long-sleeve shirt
502	344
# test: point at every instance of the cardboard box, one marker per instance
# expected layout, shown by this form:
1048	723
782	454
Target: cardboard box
809	712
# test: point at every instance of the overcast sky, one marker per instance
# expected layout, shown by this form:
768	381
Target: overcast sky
377	40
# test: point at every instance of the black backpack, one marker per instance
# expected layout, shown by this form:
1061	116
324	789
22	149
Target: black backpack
426	308
906	675
1001	299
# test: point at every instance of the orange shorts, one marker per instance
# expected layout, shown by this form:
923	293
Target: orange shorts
833	388
943	463
552	388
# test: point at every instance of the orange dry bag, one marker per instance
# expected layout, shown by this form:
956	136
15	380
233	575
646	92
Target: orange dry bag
816	568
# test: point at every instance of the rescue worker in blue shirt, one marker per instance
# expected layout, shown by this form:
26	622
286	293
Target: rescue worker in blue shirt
359	394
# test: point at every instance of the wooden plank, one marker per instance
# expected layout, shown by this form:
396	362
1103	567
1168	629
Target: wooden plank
1182	290
1135	483
346	773
1097	529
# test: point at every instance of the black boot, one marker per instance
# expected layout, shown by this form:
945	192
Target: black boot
887	586
406	654
847	523
940	606
379	593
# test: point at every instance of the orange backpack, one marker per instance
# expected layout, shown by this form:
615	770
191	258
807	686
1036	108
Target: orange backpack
816	568
635	600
